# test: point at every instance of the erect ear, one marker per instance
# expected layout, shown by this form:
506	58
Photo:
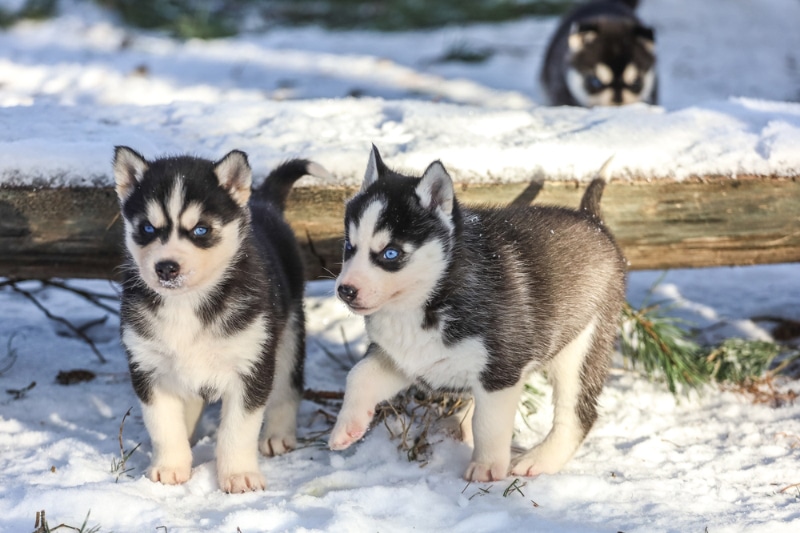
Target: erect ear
646	36
435	190
235	176
581	34
375	166
129	168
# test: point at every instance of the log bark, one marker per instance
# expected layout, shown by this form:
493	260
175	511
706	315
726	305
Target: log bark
699	222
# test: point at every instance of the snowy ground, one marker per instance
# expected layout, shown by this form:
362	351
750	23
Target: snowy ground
652	463
72	87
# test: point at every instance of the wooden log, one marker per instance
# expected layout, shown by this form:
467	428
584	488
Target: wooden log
700	222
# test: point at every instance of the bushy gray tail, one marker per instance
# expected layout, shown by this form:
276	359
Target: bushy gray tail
277	185
590	203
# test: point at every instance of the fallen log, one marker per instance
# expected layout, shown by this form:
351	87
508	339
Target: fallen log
660	224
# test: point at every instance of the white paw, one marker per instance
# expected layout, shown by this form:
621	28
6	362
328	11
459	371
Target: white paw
243	482
542	459
349	429
170	475
486	472
272	446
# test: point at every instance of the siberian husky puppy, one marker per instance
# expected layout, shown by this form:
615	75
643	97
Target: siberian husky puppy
474	299
212	308
601	55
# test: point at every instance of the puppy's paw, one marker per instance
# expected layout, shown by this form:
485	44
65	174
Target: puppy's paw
349	429
242	482
542	459
486	472
272	446
170	474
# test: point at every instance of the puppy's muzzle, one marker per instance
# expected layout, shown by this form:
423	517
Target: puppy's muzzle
167	270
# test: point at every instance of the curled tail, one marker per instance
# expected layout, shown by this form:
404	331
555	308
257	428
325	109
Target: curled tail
590	203
277	185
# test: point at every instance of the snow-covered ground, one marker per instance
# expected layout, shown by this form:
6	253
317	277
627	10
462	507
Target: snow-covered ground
652	463
72	87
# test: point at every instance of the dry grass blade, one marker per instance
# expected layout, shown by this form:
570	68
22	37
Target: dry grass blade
118	466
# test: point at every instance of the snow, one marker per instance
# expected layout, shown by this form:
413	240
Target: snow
652	462
72	87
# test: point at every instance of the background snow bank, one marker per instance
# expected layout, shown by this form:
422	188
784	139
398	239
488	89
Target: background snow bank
60	145
72	87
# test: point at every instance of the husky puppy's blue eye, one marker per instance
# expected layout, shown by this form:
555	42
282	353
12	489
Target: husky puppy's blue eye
200	231
593	83
347	246
390	254
149	229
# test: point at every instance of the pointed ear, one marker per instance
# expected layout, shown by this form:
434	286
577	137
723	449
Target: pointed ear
374	167
129	169
235	176
646	36
581	34
435	190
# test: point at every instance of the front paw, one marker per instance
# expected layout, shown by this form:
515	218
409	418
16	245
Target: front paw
273	446
170	475
482	472
543	459
348	430
243	482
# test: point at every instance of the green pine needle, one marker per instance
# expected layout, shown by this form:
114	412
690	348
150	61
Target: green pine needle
660	345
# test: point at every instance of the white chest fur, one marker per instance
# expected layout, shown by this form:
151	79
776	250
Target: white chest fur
421	353
185	356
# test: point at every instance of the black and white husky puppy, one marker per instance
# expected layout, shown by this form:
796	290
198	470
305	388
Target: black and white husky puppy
601	55
465	299
212	308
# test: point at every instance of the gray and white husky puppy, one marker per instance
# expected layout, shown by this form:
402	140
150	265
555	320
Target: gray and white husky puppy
474	299
601	55
212	308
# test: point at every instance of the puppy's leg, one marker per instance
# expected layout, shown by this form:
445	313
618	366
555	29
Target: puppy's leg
192	409
372	380
237	446
493	427
280	427
172	457
577	373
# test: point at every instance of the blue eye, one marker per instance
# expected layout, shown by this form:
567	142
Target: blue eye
149	229
347	246
593	83
390	254
199	231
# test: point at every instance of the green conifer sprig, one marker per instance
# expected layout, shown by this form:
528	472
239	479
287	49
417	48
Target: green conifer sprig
659	344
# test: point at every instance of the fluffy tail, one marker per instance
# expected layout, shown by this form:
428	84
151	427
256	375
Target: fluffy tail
590	203
277	185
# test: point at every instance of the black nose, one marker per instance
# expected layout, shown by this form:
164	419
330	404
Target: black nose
347	293
167	270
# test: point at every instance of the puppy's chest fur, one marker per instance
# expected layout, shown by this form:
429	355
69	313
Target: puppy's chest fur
188	356
422	352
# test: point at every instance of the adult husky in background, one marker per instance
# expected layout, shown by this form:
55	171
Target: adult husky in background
212	308
601	55
467	299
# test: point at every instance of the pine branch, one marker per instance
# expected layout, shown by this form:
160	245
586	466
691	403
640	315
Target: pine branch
659	344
